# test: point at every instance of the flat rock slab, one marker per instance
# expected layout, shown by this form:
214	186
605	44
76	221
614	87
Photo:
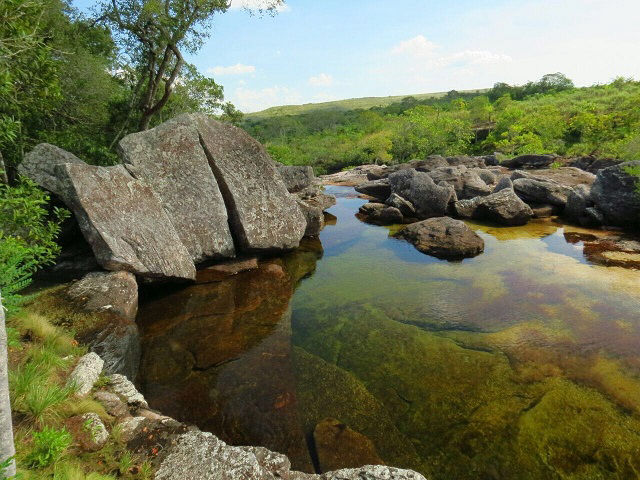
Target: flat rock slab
124	222
40	165
443	237
264	216
172	161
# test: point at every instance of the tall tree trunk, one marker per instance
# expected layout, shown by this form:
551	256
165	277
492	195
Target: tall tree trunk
3	171
7	449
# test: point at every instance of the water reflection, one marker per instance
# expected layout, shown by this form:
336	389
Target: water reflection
523	362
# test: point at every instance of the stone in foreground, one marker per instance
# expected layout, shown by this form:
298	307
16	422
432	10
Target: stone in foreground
443	237
116	292
124	222
199	455
171	160
264	217
40	165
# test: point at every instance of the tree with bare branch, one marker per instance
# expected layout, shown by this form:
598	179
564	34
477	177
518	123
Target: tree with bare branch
154	35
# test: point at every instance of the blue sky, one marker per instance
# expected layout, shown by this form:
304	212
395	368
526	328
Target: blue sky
333	49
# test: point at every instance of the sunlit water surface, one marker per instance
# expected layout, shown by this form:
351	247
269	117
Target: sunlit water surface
523	362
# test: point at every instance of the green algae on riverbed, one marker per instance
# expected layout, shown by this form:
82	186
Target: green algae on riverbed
523	362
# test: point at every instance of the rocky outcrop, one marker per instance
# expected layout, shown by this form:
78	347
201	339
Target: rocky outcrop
170	159
124	222
443	237
380	214
264	216
428	199
296	178
529	161
112	332
337	446
116	292
615	194
503	207
542	191
379	189
40	165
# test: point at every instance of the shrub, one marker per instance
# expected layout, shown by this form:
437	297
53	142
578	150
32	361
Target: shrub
27	237
48	446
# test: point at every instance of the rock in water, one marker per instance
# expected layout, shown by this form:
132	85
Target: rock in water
264	216
124	222
429	199
375	188
338	446
615	194
443	237
40	165
503	207
171	160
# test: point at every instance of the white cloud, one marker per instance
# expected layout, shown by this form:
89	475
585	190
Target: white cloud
417	46
321	80
249	100
258	5
237	69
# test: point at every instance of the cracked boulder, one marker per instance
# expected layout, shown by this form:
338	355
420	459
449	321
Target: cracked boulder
171	160
264	217
124	221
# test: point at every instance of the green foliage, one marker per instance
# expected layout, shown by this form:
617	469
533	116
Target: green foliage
48	446
635	171
27	237
547	116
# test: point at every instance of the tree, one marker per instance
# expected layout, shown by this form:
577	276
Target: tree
7	448
154	35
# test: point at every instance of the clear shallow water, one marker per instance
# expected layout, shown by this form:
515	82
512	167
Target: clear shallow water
523	362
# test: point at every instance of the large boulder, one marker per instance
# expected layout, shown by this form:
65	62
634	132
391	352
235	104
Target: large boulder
171	160
40	165
451	175
529	161
616	195
578	201
540	190
124	222
474	185
428	199
443	237
379	189
264	216
503	207
593	164
296	178
463	160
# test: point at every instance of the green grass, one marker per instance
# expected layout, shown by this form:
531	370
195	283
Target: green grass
347	104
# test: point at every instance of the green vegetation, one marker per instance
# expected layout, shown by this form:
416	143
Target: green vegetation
547	116
39	364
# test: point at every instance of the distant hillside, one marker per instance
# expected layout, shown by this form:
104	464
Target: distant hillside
348	104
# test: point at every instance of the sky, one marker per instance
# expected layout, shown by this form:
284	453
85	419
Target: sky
315	51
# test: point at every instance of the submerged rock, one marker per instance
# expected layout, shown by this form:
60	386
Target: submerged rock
170	159
124	222
443	237
338	446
